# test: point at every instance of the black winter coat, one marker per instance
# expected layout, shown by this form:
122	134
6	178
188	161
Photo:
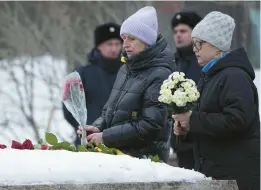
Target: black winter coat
98	78
227	124
133	119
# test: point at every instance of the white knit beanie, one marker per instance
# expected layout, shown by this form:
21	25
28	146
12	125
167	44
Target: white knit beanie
142	25
217	29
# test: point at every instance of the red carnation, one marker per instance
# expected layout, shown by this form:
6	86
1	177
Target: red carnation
66	90
2	146
16	145
27	144
81	87
46	147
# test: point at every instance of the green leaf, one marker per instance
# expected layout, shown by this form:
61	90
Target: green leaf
91	150
90	145
51	139
114	151
101	146
40	141
81	148
72	148
55	147
119	152
104	148
156	158
64	145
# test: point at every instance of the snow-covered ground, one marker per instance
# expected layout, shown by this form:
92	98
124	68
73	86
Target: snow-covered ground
40	166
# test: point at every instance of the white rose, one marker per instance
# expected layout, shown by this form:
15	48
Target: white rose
191	81
166	98
186	85
165	91
181	89
181	104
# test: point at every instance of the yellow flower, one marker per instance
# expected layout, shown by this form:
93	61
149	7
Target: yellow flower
118	152
123	59
98	149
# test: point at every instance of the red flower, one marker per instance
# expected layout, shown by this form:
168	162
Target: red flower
69	83
2	146
66	90
16	145
45	147
27	144
81	86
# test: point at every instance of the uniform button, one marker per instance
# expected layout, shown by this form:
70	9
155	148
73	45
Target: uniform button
201	160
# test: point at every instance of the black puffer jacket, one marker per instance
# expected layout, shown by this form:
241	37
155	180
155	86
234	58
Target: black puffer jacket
227	124
133	119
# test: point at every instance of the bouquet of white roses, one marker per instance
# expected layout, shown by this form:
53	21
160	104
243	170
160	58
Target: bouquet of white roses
179	93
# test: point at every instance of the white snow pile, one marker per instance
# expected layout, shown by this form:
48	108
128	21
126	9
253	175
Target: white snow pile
20	167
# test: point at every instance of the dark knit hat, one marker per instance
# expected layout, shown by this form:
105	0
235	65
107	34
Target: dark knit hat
106	32
187	17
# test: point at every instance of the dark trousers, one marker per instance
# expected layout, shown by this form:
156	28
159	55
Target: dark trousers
186	158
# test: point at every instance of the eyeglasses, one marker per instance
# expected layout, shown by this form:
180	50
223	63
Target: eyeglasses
197	44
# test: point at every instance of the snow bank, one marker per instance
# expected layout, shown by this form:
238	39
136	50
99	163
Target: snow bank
51	167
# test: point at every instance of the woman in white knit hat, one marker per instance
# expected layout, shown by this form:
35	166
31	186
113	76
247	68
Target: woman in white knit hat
133	119
226	122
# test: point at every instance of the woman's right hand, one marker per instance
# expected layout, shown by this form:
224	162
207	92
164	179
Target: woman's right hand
89	130
179	130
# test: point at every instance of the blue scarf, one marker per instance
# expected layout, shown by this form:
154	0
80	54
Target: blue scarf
213	62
